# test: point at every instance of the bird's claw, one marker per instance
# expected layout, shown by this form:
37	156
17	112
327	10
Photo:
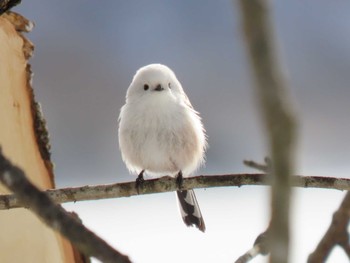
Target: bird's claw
179	180
139	182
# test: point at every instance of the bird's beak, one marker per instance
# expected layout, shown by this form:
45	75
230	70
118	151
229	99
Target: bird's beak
159	88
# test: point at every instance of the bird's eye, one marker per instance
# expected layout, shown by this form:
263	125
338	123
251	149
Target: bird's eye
145	87
169	85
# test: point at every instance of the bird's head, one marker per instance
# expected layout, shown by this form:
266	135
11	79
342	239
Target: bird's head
154	80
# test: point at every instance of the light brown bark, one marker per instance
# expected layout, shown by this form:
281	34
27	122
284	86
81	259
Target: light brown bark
23	235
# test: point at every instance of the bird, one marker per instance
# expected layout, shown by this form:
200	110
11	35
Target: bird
160	134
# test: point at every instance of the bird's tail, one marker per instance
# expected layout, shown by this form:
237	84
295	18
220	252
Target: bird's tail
190	212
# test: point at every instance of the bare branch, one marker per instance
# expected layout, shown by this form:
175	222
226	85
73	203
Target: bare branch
169	184
260	247
277	115
336	234
6	5
249	255
54	215
265	168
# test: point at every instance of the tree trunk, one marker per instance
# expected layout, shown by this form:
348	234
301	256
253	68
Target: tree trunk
23	138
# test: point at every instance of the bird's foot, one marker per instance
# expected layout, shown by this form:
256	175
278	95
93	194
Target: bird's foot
179	180
139	181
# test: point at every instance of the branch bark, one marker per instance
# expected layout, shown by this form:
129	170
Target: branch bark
260	247
6	5
54	215
337	234
277	116
169	184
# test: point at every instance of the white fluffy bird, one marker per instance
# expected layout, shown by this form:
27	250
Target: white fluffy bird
161	134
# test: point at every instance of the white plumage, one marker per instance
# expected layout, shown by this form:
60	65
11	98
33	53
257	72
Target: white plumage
160	132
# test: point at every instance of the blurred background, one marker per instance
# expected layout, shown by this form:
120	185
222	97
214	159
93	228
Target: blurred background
86	53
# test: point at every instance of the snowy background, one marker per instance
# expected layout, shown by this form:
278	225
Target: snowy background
86	54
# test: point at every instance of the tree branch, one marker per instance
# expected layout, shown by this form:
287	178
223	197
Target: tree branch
277	116
265	168
169	184
337	234
260	247
249	255
6	5
54	215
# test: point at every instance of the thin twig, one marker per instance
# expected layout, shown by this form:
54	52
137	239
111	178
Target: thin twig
249	255
337	234
260	247
265	168
54	215
169	184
